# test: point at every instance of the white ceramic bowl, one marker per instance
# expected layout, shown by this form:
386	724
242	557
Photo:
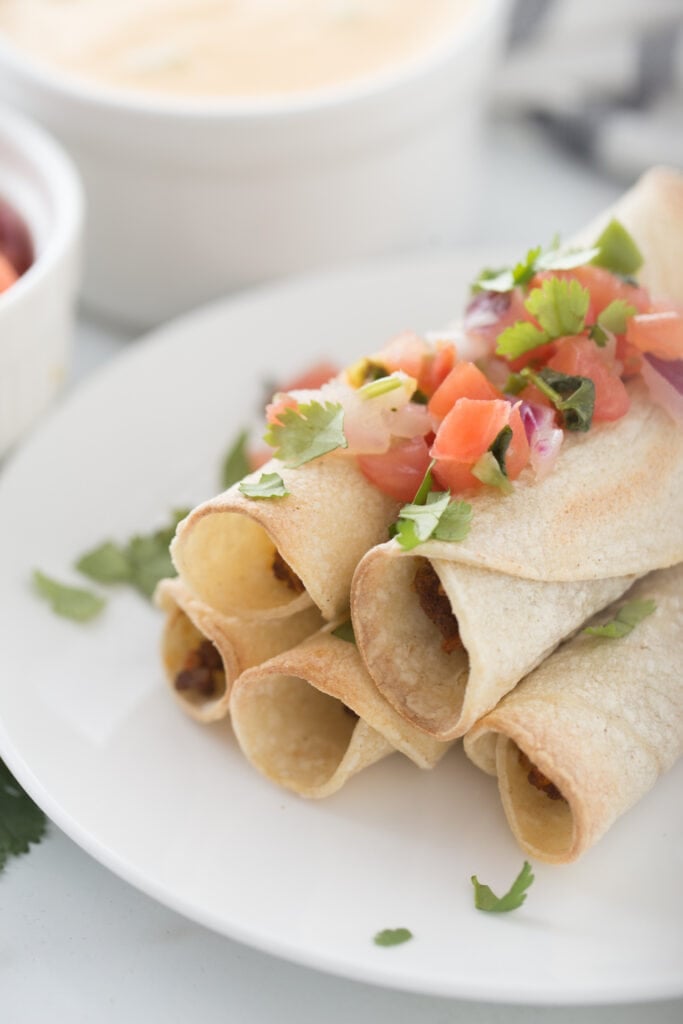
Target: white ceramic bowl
188	199
39	182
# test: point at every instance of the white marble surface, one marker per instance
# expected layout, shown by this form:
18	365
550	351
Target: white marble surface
79	945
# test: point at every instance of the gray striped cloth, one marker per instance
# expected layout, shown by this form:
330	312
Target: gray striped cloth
605	77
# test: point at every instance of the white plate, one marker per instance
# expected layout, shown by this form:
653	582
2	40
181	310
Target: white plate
89	729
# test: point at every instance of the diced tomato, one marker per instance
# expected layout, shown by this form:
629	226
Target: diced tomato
399	471
412	354
408	352
464	381
275	408
629	357
312	378
258	457
660	332
455	477
438	367
469	430
581	357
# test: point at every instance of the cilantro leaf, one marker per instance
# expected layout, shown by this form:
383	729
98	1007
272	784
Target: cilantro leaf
21	821
417	523
557	258
494	281
617	250
69	602
344	631
392	936
491	468
431	513
626	619
455	522
437	517
107	563
614	317
485	899
573	397
559	306
519	338
235	463
269	485
307	432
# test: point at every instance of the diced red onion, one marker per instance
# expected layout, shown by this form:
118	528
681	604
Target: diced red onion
664	379
486	309
544	437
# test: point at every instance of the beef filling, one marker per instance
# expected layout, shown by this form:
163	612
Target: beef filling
202	672
281	571
436	606
536	777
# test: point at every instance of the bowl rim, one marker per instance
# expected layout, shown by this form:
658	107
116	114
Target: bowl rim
479	15
57	172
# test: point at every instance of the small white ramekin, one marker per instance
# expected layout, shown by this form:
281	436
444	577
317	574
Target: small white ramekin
188	199
39	181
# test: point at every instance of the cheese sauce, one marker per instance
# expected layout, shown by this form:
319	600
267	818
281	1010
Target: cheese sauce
226	47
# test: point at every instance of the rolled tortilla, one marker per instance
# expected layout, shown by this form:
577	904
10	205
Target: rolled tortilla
203	652
311	718
505	627
587	734
538	562
225	549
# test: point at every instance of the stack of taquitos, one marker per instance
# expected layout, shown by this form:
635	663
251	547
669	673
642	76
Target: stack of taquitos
447	629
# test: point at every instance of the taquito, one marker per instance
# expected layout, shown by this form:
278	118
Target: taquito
310	718
445	642
203	652
587	734
268	559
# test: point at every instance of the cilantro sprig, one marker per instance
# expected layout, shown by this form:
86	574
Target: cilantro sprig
485	899
141	562
21	821
615	250
626	619
559	307
572	396
555	257
307	432
431	514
